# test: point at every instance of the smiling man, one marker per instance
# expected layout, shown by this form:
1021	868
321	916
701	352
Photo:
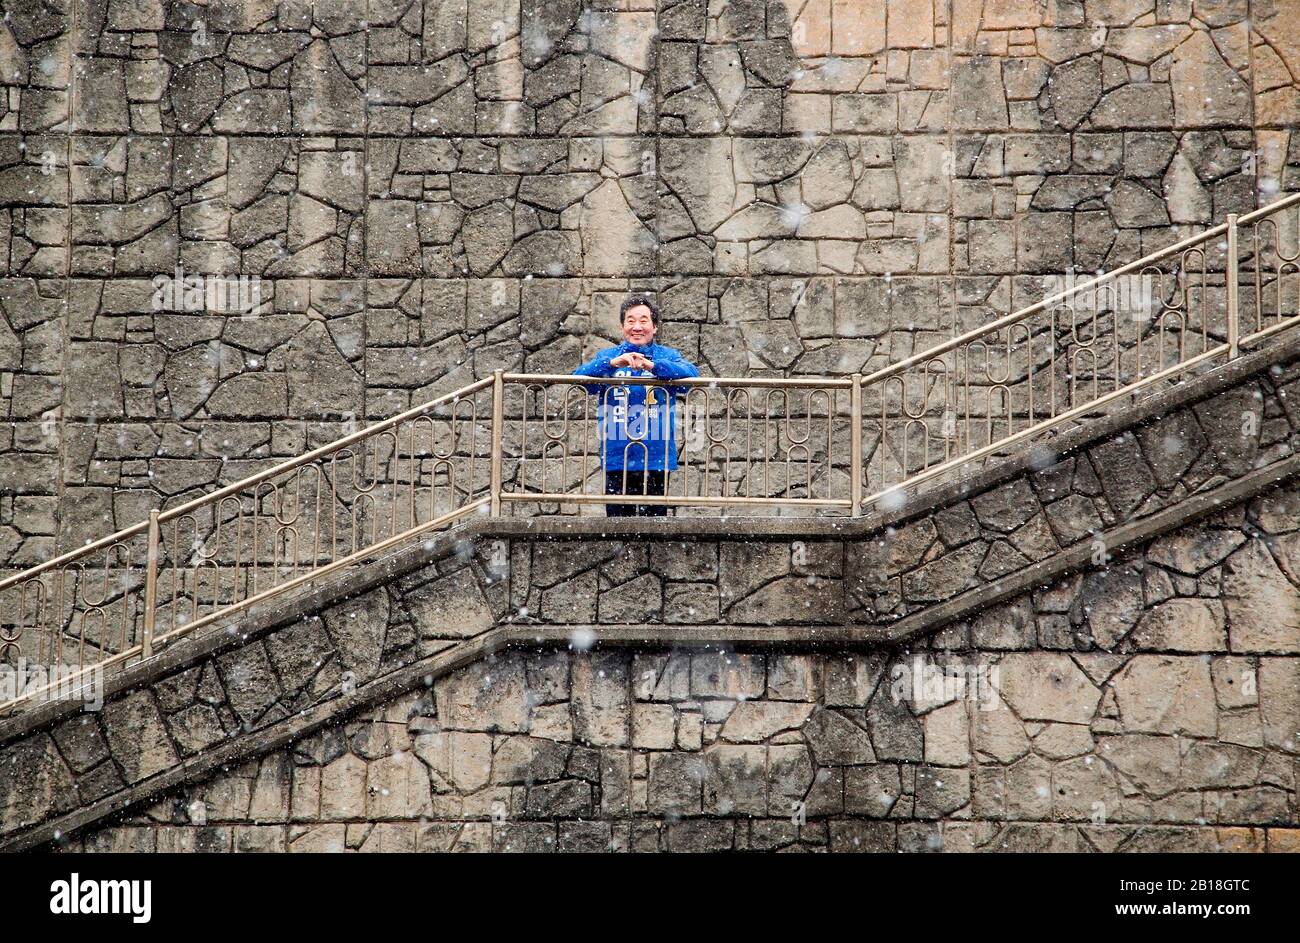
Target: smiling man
637	444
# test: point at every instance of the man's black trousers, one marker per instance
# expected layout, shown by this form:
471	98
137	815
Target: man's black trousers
638	483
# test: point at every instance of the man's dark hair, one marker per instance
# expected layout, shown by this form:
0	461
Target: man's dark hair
636	301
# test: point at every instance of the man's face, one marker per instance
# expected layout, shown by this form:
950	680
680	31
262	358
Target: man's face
638	326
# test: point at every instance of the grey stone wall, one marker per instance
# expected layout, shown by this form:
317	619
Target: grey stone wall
433	189
1154	705
1140	696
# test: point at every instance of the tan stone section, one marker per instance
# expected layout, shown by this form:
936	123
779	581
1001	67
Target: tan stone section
1279	702
462	760
1262	605
343	788
1284	840
397	787
947	735
757	721
452	607
1210	90
1046	687
1163	694
611	232
1182	625
857	28
999	735
910	24
146	749
1275	35
600	693
482	698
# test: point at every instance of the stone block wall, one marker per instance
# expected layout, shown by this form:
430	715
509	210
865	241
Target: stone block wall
1153	705
1138	694
432	189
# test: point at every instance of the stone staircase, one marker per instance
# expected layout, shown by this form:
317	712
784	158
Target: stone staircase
1098	570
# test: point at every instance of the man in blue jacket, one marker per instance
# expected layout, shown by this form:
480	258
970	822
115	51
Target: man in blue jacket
638	448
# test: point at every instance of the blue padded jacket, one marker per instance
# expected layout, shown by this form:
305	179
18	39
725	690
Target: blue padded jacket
637	422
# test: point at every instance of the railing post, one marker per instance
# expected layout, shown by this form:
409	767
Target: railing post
150	586
855	445
498	429
1234	322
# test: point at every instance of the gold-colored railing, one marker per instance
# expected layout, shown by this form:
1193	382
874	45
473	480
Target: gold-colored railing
756	443
524	443
118	599
1075	353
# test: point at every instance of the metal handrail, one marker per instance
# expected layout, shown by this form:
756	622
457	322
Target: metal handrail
251	481
788	383
373	493
1016	317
